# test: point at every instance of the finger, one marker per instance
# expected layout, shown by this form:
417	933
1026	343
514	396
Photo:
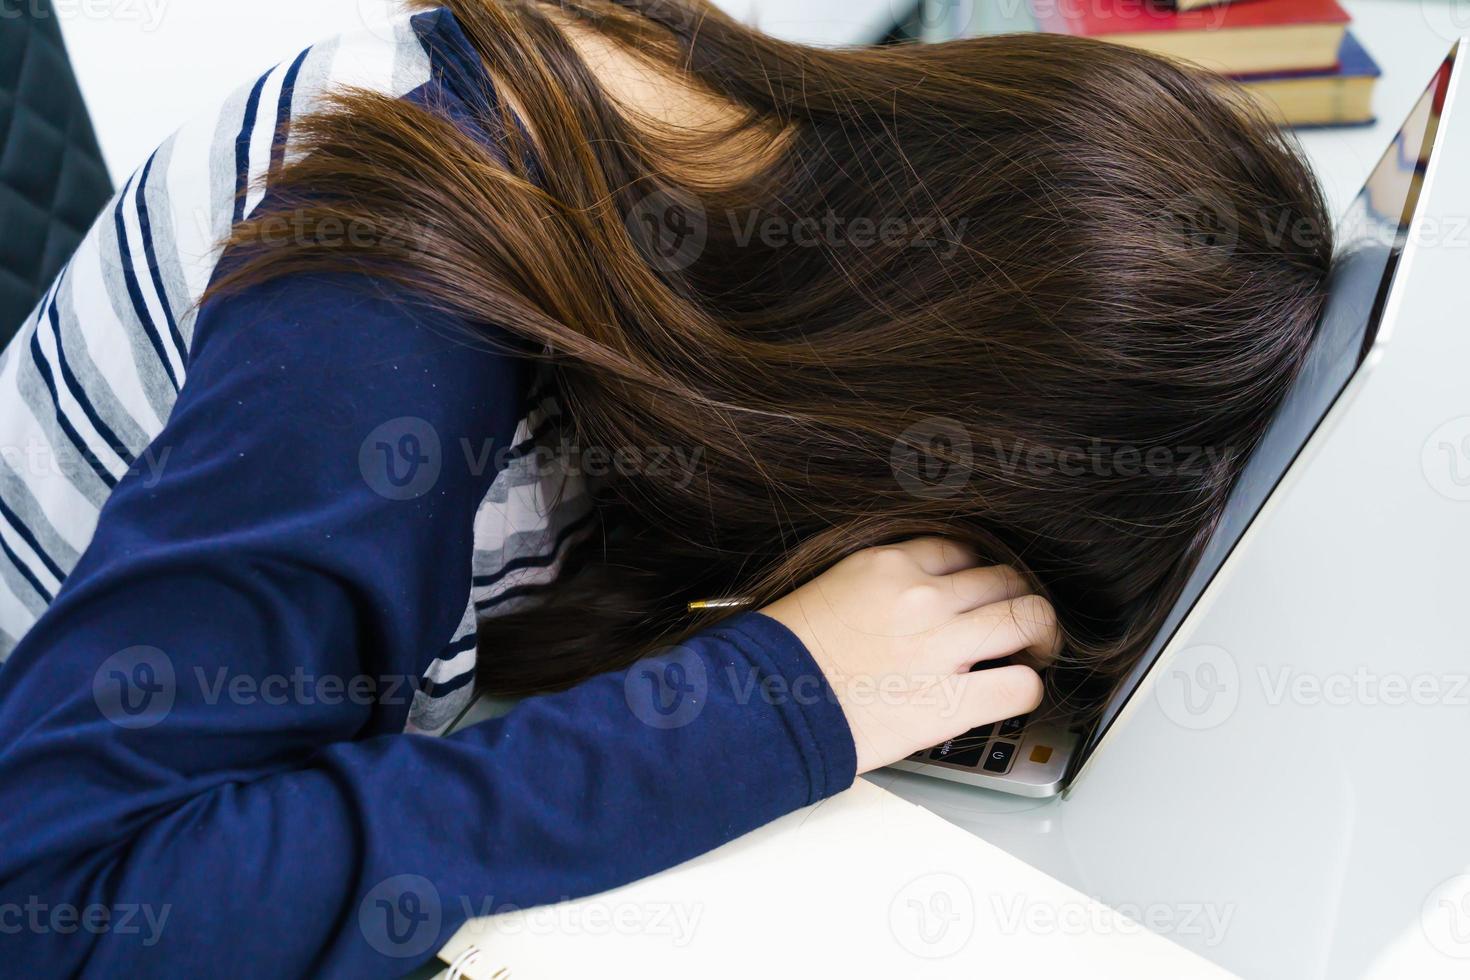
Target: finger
938	556
995	695
976	587
1026	624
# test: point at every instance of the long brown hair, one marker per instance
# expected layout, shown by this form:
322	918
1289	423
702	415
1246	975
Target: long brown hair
1033	292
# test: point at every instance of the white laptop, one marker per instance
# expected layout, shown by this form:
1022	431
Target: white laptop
1042	759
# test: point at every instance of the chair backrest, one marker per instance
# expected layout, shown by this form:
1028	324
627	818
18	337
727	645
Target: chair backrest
53	182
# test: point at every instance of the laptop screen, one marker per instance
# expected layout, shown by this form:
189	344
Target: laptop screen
1371	237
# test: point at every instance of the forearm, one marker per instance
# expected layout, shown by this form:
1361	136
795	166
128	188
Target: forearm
326	867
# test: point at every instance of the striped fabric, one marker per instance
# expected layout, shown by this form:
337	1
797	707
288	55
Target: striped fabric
90	379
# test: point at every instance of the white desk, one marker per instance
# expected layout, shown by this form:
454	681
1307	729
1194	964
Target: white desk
1330	829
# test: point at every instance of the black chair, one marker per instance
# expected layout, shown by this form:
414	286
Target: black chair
53	182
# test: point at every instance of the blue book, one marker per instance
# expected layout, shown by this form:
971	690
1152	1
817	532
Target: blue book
1342	96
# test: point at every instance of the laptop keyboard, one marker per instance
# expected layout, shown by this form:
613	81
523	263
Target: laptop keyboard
989	748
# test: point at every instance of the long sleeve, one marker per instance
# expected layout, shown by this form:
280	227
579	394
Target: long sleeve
202	764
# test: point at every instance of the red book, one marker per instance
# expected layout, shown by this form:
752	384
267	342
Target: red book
1248	37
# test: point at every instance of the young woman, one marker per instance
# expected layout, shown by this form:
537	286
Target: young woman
465	358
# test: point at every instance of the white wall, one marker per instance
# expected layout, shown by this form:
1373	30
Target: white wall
147	65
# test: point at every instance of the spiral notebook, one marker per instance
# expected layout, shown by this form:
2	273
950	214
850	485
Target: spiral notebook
862	885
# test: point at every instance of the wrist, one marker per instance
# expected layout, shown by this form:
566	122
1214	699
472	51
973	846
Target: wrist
793	683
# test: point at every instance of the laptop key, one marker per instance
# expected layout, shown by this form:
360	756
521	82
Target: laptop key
1012	726
957	755
998	759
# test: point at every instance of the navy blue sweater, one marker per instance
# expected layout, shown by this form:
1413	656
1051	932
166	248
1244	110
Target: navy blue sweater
202	764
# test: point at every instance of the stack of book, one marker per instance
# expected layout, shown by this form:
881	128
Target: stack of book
1296	57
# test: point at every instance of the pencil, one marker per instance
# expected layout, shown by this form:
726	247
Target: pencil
727	602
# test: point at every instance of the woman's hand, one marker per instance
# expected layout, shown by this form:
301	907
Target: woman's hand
896	630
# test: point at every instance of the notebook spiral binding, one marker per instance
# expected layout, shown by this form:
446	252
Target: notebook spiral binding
470	958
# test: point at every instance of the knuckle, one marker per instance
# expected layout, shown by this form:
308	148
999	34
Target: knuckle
1034	611
920	596
889	558
862	560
